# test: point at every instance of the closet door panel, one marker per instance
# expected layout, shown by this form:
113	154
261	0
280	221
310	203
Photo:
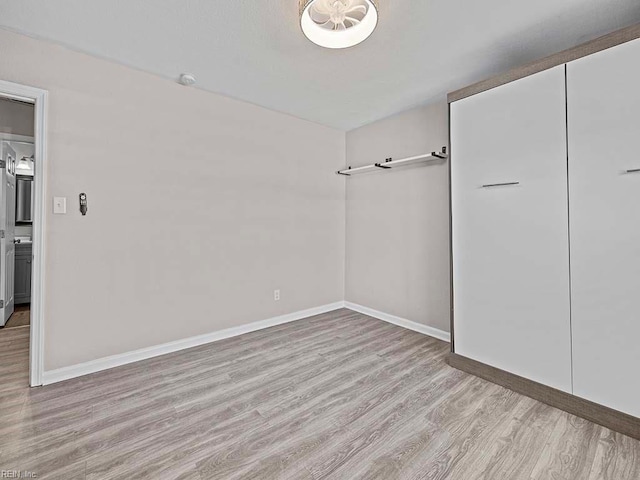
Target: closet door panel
510	242
604	144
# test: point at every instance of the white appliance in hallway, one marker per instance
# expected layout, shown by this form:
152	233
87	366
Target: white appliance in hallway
7	231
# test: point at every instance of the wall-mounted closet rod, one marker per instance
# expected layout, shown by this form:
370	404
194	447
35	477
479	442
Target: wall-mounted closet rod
390	163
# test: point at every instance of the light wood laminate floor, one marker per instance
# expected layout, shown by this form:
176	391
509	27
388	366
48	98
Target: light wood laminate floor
335	396
20	318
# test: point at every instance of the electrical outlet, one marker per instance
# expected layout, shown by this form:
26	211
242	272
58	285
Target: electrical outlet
276	295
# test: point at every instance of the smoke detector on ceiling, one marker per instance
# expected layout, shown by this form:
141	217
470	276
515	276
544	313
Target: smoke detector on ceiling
187	79
338	23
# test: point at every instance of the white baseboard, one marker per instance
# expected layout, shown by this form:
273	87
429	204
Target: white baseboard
401	322
73	371
112	361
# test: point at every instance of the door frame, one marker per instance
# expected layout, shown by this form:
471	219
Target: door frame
39	98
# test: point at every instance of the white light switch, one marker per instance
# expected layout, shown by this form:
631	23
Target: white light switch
60	205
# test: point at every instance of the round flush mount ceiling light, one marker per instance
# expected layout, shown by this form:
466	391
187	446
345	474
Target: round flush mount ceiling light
338	23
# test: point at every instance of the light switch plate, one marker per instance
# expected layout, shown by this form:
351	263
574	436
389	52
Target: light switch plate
60	205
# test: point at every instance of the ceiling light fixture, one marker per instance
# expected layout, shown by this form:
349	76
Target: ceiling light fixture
338	23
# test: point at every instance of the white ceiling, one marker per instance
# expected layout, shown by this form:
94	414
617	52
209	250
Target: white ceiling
253	49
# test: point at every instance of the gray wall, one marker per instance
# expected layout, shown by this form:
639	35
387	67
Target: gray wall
397	247
16	117
199	207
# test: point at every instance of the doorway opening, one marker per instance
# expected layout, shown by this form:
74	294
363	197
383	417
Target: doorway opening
22	179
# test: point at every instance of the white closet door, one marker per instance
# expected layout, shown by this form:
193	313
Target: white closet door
511	260
603	93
